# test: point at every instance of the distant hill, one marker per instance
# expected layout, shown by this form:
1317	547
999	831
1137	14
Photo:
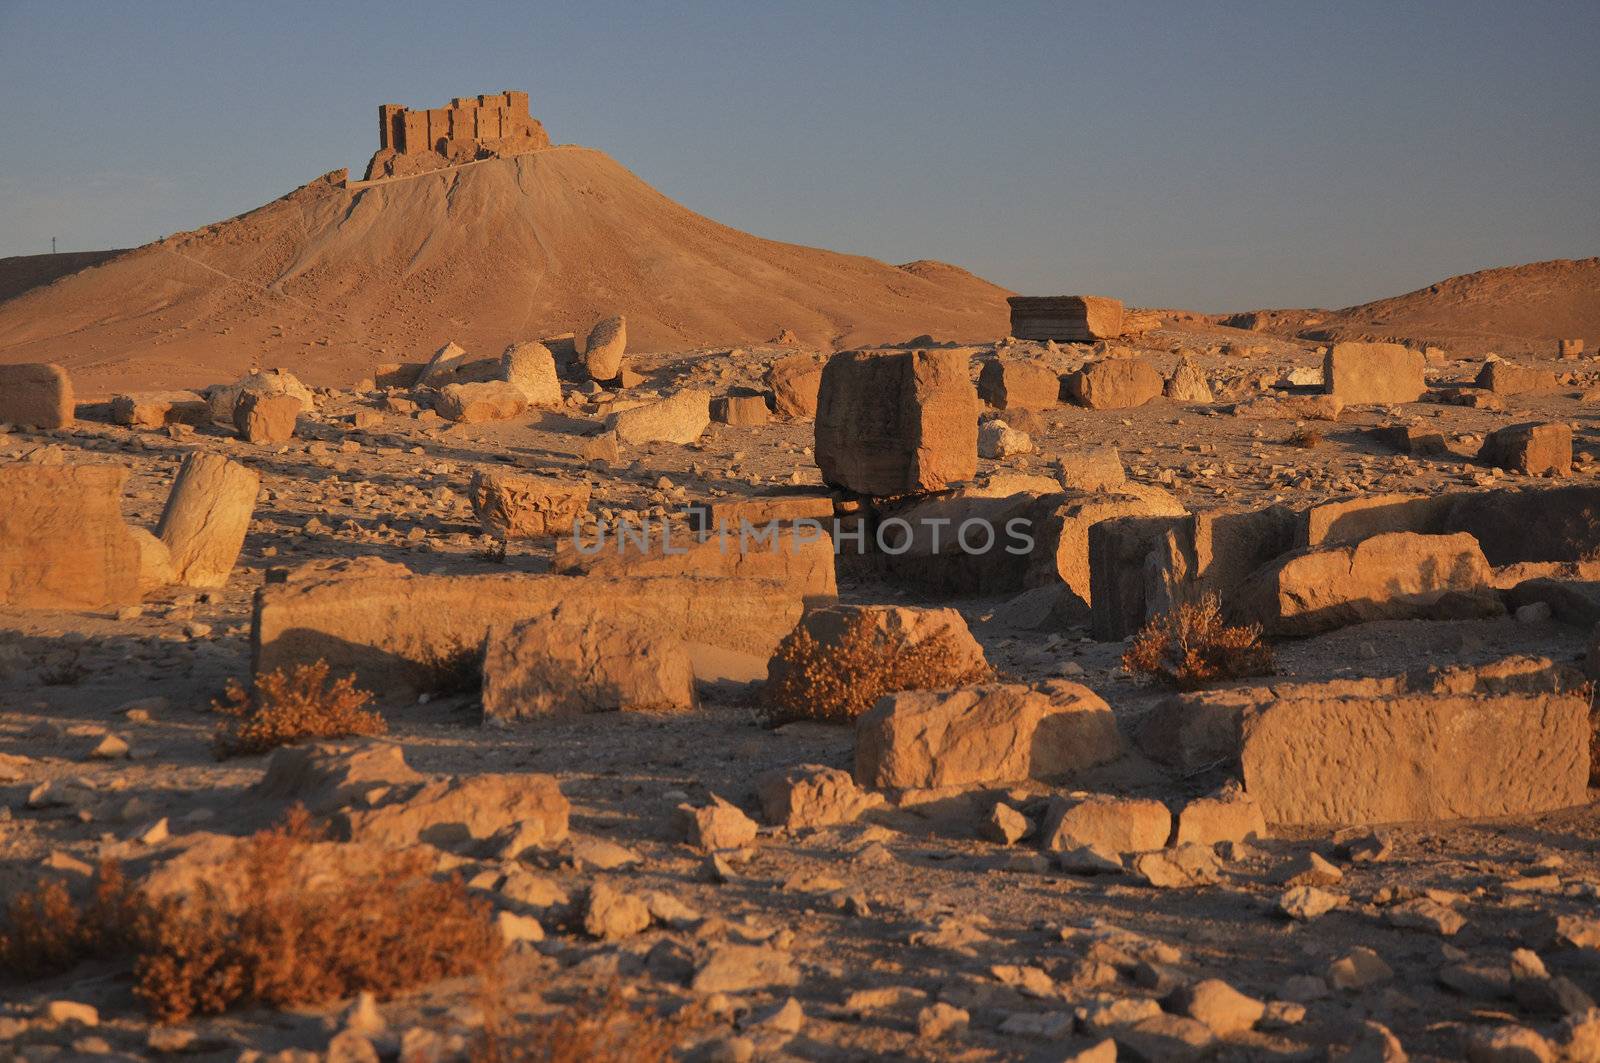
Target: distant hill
331	279
25	272
1511	310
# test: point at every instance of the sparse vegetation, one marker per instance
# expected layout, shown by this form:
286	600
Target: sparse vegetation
601	1029
47	931
283	709
1191	646
1305	437
837	683
296	935
290	934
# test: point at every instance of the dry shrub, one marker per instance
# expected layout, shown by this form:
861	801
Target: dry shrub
1305	437
48	932
1191	645
603	1028
284	709
835	683
295	935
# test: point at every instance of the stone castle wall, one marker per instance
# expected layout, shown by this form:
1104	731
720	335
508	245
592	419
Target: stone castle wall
472	127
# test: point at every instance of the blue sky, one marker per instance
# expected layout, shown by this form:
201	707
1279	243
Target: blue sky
1218	156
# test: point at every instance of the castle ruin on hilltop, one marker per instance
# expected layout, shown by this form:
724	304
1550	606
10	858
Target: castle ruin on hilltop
471	128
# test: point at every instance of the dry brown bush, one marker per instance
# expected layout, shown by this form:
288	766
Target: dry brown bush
1191	645
291	934
296	935
837	683
47	931
603	1028
284	709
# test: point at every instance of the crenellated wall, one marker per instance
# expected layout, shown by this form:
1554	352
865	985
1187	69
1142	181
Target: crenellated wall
471	127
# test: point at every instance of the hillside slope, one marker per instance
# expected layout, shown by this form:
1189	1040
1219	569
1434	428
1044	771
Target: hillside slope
330	279
1511	310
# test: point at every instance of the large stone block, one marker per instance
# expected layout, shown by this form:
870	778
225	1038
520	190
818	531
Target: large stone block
401	631
1351	520
1065	318
531	367
1393	576
897	422
801	559
1108	825
576	659
517	506
996	733
206	518
223	398
266	419
1562	530
740	408
607	343
1010	384
35	394
681	418
1339	761
795	382
476	403
1531	448
1203	730
157	409
757	511
63	543
1508	378
1371	374
1125	568
1062	549
1115	384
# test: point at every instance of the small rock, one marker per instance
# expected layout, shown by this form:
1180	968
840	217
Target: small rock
613	914
938	1020
1220	1006
717	826
1005	825
1423	913
65	1011
1305	903
514	928
1358	969
1310	869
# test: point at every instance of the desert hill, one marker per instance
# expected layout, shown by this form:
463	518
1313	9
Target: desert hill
1511	310
335	277
23	273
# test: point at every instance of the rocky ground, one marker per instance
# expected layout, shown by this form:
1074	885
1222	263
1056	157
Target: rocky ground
906	934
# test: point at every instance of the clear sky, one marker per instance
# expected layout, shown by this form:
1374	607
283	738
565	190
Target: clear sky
1217	156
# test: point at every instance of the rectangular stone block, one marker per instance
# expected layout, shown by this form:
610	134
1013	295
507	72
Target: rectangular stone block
35	394
1327	762
1531	448
799	558
760	511
1065	318
398	630
1351	520
1373	374
63	543
1124	560
897	422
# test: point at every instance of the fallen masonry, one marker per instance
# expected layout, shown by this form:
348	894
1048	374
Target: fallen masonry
396	629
